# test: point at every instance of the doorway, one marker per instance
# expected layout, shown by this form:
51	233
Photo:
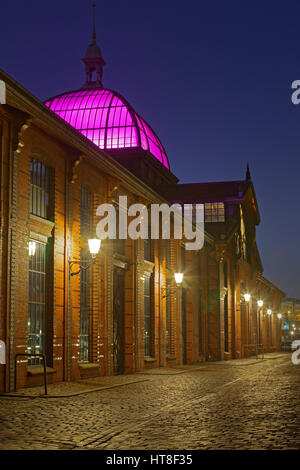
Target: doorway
119	323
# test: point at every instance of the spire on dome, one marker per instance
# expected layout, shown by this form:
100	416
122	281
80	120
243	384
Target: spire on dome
93	60
94	28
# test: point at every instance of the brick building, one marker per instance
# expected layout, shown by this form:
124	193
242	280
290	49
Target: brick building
121	311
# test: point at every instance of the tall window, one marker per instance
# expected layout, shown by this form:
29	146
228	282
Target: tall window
168	318
226	321
271	330
167	247
86	275
37	303
169	326
183	308
148	254
40	201
182	259
147	316
214	212
119	243
200	343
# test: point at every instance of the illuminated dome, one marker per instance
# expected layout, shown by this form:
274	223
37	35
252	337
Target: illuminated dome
104	116
108	120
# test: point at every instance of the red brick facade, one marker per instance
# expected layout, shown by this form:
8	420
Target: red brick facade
207	318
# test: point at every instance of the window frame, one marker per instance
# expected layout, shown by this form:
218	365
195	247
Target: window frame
41	194
214	212
39	346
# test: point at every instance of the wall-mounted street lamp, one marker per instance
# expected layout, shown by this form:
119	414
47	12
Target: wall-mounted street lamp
269	311
279	316
178	279
247	297
94	248
31	248
260	303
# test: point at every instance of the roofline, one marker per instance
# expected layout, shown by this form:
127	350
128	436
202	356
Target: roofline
94	155
268	283
212	182
109	164
249	184
292	299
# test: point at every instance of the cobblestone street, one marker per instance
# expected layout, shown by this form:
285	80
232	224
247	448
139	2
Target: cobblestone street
242	405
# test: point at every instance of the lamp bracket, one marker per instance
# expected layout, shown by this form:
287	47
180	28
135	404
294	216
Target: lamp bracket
83	265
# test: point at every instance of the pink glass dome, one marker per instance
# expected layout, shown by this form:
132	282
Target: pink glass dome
105	118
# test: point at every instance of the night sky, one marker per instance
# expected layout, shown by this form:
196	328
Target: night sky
213	78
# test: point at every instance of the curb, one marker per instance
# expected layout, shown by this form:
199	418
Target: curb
255	361
71	394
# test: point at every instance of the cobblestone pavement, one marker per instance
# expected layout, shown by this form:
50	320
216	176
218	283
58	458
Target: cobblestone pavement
219	406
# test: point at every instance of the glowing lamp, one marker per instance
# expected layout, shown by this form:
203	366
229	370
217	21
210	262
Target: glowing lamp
247	297
279	315
94	246
31	248
269	311
260	303
178	278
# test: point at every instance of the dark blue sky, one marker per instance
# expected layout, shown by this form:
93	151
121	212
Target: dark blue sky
213	78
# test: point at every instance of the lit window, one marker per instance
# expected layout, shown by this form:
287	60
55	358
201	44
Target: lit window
214	212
